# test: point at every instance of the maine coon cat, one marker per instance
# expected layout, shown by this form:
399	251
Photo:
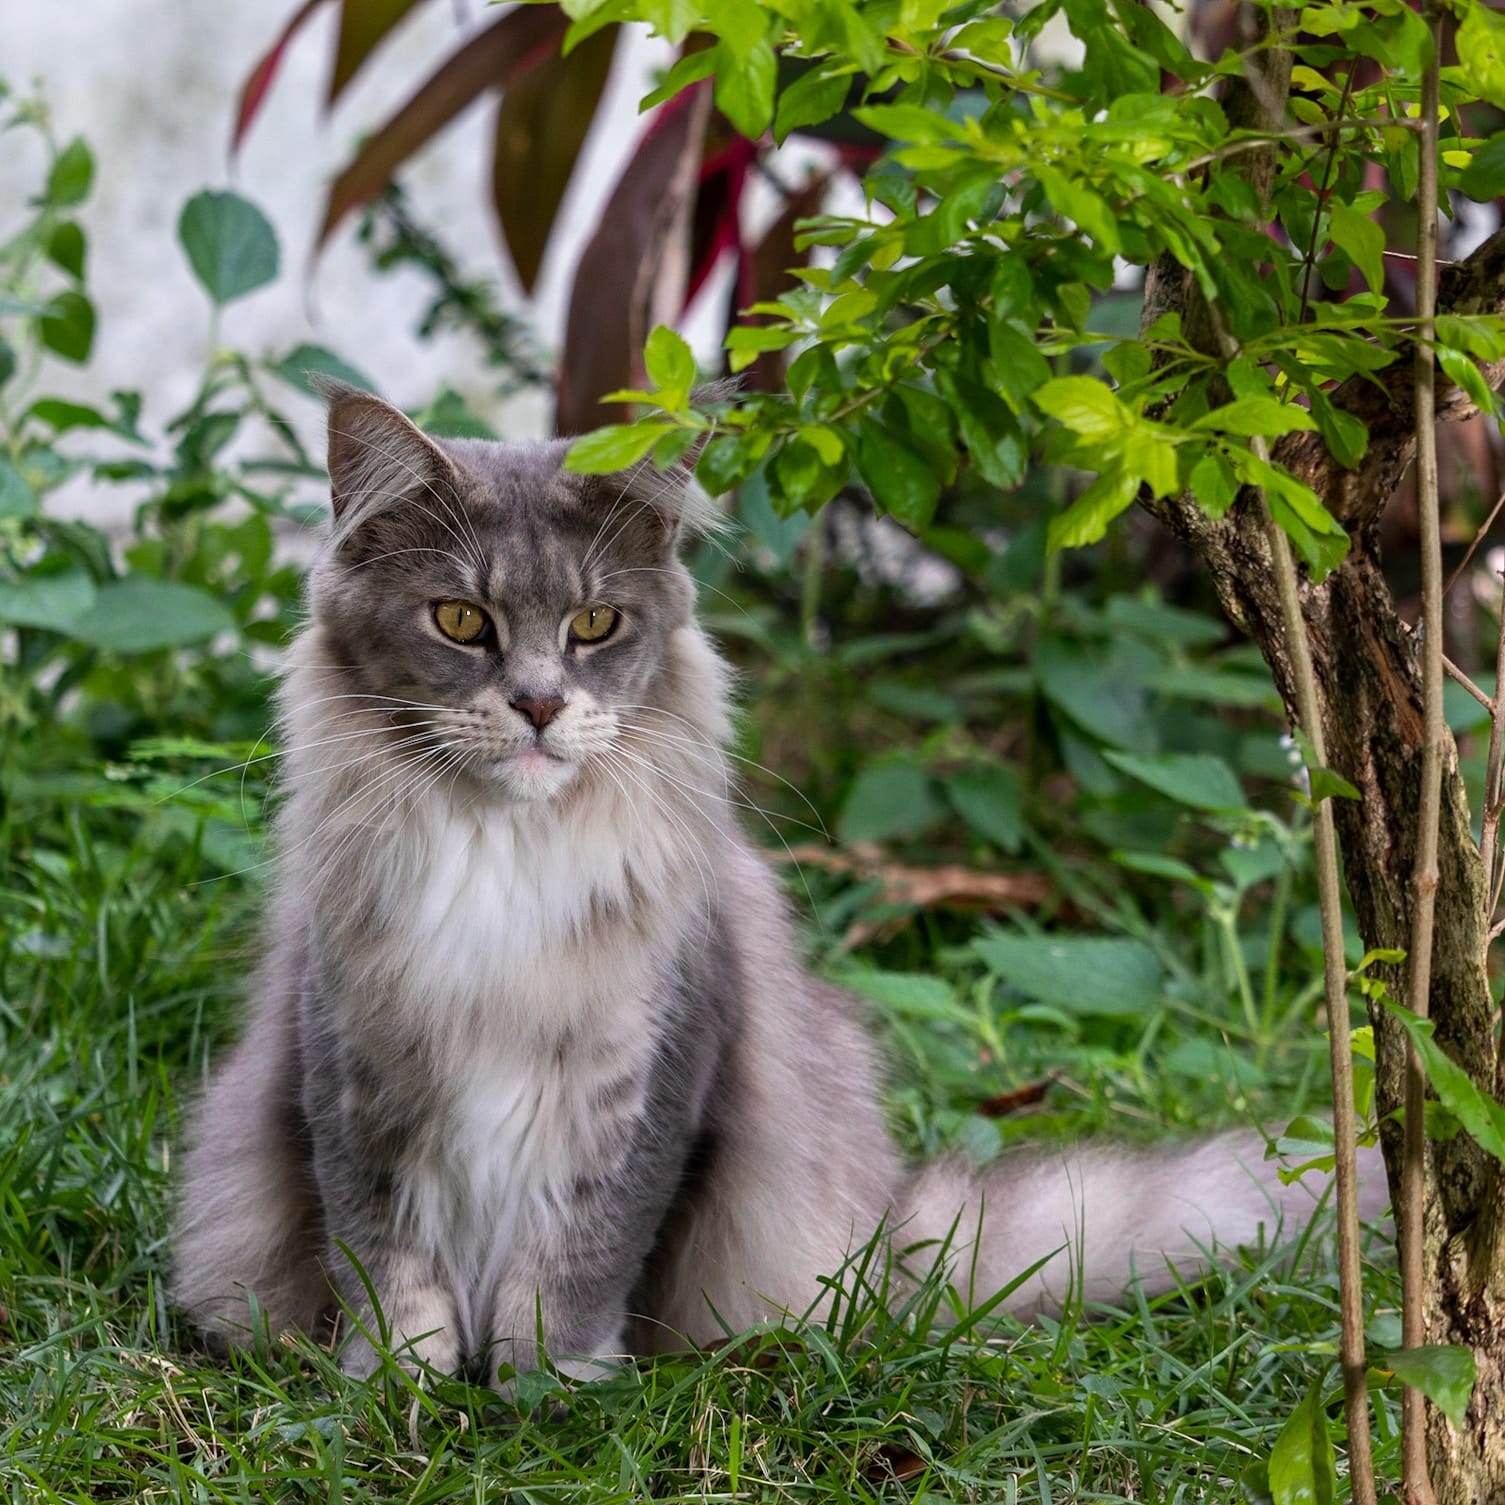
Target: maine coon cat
531	1041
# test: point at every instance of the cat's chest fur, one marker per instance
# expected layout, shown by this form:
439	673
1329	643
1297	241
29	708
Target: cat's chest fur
506	968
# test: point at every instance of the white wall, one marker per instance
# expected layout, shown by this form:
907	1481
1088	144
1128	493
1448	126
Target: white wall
152	85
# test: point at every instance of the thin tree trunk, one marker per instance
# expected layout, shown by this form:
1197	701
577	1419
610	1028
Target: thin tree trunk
1368	674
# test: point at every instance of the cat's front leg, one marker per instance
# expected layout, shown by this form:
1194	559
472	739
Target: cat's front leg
569	1280
417	1320
361	1148
583	1336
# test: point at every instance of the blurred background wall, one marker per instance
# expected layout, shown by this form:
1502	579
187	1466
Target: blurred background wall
152	86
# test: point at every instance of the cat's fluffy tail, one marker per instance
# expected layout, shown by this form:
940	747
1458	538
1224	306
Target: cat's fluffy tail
1103	1219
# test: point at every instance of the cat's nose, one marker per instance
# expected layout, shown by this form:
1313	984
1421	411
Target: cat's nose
539	709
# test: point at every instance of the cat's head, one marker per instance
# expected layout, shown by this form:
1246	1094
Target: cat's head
505	617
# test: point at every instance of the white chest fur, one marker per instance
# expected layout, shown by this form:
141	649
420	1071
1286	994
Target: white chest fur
521	948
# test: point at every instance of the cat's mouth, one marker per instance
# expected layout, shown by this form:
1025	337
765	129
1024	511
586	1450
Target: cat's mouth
534	772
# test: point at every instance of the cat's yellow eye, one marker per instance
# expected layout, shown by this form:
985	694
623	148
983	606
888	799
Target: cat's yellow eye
460	620
592	624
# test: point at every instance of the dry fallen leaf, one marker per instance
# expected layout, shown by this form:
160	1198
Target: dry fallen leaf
895	1461
949	886
1016	1099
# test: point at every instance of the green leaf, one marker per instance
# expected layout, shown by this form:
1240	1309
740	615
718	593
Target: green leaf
1101	691
303	361
1482	335
690	69
990	431
230	244
67	326
1482	1116
748	341
1018	366
139	614
52	599
810	99
1317	535
61	416
17	499
66	248
1254	1483
917	702
672	19
988	800
1344	434
745	86
1084	406
1158	865
899	477
1215	687
917	995
1325	784
727	461
613	448
1362	240
910	123
1199	780
72	175
1481	52
1082	974
1484	177
1086	519
670	365
1159	622
1214	484
1443	1372
1150	458
1302	1470
888	800
1462	372
1090	212
1256	415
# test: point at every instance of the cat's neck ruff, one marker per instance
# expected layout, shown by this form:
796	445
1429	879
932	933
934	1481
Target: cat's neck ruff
533	915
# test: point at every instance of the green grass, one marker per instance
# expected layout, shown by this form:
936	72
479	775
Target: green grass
121	957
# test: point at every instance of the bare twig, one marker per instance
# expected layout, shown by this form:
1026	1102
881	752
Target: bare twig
1340	1046
1416	1479
1479	537
1489	831
1459	677
1335	978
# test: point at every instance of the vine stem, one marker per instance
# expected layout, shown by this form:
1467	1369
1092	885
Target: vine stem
1335	980
1489	835
1339	1037
1416	1479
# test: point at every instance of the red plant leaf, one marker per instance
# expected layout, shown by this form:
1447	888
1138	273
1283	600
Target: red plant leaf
363	25
540	127
633	272
494	58
259	80
717	222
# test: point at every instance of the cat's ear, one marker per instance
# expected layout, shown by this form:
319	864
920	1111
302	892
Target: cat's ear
378	458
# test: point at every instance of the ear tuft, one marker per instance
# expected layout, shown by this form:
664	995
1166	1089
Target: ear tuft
678	500
378	458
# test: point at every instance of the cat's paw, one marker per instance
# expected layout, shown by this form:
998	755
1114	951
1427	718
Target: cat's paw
510	1357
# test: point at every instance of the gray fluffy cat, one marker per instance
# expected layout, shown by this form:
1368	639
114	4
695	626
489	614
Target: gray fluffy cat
531	1040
